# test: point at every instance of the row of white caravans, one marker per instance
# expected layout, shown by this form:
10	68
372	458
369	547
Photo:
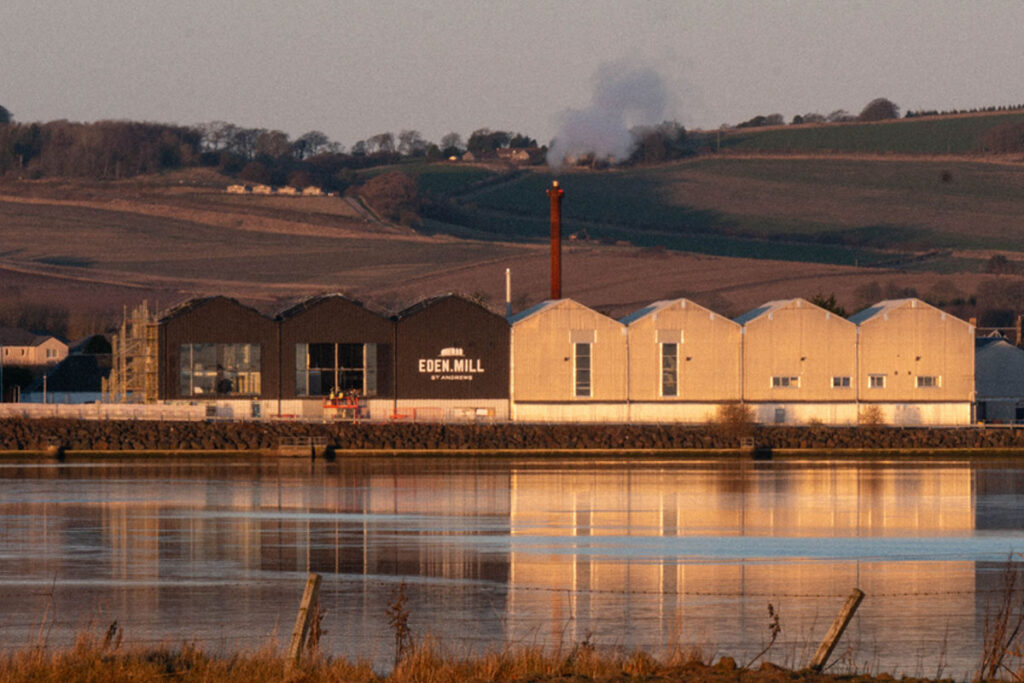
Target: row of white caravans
900	362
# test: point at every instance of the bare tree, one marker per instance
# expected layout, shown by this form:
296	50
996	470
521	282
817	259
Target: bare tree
411	143
310	144
452	144
273	143
840	116
244	142
381	142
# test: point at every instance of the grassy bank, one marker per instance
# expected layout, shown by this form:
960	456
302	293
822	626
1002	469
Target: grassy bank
95	659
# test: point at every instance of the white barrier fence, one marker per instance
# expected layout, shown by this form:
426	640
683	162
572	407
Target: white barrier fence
104	411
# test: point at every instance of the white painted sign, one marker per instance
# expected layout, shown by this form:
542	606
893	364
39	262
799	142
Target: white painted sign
451	364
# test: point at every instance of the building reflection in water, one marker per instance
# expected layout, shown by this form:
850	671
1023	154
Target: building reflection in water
495	553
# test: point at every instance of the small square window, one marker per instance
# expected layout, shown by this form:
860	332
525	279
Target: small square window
876	381
840	382
782	381
927	381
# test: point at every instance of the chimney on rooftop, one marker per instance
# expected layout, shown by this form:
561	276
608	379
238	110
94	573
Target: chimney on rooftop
555	194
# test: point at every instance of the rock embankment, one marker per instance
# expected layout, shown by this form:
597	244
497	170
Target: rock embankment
39	434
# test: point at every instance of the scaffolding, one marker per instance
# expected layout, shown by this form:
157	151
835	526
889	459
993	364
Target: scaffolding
134	374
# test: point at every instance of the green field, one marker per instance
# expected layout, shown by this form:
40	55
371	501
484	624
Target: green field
829	210
927	135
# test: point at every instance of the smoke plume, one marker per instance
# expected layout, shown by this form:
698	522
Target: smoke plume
623	97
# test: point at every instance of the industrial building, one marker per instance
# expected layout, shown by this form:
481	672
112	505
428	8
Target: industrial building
449	358
569	364
684	362
799	364
452	361
216	348
332	344
916	363
999	378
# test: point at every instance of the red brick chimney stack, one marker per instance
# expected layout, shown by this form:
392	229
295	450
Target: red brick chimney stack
555	193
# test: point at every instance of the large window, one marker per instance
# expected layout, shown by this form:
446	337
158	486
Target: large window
670	369
220	369
322	369
581	366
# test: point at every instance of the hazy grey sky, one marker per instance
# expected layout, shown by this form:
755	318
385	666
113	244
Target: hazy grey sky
353	69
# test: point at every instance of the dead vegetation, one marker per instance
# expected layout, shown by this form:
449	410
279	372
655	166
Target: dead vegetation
735	421
1002	654
94	658
871	416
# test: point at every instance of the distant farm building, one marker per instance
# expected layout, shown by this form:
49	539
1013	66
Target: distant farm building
310	191
521	155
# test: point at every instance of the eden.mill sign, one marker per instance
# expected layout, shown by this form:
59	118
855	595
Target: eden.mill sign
451	364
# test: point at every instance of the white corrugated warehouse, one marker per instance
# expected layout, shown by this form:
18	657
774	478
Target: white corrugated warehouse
799	362
684	362
916	363
569	364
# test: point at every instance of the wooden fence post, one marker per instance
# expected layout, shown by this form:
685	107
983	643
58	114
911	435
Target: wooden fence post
301	629
836	632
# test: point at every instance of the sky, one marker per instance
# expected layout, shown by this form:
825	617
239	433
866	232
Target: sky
354	69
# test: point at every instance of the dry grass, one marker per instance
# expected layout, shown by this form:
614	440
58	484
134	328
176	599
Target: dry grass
1003	648
93	660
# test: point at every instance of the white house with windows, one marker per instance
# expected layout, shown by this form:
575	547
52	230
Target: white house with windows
569	363
23	348
915	363
799	363
684	362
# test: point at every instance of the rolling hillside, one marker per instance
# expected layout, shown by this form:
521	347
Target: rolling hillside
728	230
854	194
933	135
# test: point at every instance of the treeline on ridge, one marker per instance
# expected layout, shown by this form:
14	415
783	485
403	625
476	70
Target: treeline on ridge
124	149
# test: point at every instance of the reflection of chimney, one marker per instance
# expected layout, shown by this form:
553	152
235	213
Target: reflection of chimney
555	193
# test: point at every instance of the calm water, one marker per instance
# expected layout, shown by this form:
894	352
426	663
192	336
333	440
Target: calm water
500	552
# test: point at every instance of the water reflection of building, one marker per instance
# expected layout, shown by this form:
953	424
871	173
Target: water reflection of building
697	553
542	554
151	543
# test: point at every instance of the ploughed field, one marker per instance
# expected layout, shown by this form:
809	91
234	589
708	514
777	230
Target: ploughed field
728	232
